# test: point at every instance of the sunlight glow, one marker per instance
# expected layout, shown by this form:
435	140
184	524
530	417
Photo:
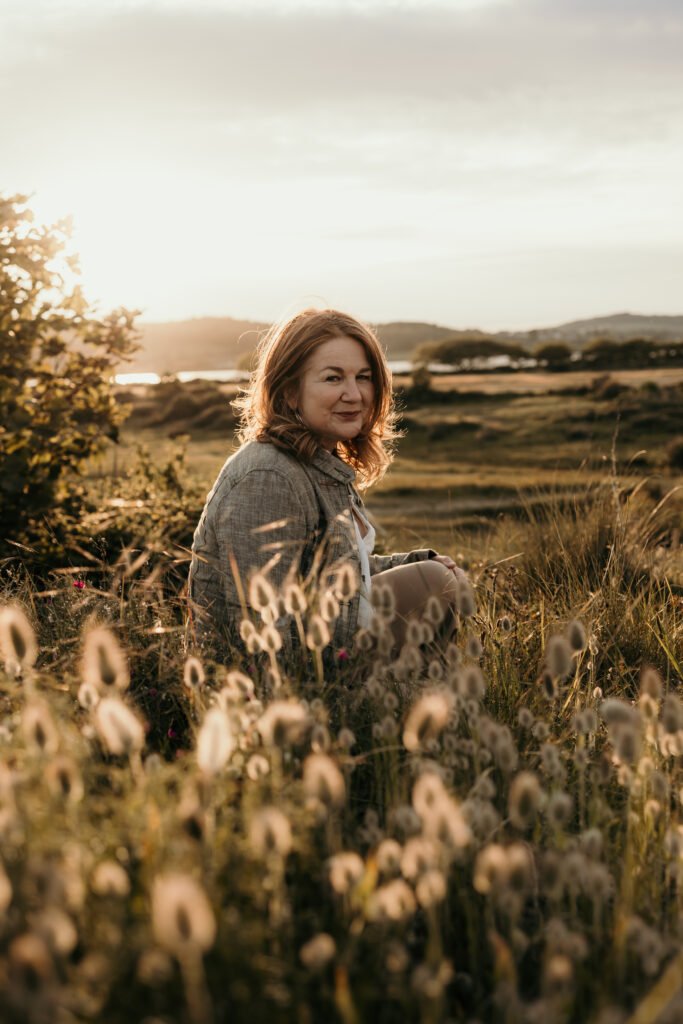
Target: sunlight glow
128	379
499	169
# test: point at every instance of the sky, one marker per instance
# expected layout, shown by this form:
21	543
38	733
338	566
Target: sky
501	164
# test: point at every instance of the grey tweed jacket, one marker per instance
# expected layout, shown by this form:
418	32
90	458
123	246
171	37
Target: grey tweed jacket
269	510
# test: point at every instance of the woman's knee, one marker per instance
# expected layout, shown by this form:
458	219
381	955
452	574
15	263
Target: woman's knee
438	579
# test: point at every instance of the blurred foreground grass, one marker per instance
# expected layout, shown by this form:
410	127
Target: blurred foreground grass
487	832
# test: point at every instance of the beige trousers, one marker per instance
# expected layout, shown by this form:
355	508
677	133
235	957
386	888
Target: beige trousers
412	585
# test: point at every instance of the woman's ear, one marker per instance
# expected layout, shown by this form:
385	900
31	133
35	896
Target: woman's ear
291	397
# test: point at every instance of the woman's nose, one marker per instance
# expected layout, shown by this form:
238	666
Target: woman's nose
352	391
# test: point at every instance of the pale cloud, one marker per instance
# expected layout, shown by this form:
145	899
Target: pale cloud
347	141
207	68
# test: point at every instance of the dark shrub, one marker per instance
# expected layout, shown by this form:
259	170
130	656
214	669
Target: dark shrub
674	453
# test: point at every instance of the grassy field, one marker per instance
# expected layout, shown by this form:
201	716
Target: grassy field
542	382
480	447
488	829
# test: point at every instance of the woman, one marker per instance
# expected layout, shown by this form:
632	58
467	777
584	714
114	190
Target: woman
317	419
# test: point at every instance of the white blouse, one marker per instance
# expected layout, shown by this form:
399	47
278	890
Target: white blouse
366	545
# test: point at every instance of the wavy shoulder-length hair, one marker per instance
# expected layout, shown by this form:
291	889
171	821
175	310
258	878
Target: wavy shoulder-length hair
281	355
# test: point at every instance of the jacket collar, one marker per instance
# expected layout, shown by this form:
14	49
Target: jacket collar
333	466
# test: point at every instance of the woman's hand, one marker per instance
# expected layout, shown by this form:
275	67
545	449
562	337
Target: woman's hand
446	560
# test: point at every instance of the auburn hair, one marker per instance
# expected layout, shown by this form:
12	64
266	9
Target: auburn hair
281	354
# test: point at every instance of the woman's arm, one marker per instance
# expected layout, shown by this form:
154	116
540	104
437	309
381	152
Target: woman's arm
459	573
378	563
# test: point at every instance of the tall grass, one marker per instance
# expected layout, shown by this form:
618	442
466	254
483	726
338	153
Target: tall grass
489	830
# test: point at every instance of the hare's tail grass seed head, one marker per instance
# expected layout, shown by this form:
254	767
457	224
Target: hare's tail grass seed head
284	722
295	600
261	593
383	601
238	689
426	720
270	833
104	664
318	635
182	916
345	871
464	597
18	646
525	799
323	781
193	674
576	636
558	657
317	952
39	729
346	583
271	640
215	743
64	779
329	606
119	729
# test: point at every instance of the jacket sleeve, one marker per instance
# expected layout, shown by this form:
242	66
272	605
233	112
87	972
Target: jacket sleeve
261	522
378	563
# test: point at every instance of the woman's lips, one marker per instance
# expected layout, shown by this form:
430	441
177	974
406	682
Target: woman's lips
348	415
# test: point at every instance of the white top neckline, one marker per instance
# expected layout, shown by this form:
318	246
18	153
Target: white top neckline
368	540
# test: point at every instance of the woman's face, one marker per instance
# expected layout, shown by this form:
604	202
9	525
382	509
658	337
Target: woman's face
336	391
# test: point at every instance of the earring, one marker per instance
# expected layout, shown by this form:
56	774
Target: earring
297	415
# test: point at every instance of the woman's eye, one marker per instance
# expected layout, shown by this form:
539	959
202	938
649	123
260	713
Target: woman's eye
335	376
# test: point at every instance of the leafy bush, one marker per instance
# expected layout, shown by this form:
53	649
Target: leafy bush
674	453
556	354
605	388
56	362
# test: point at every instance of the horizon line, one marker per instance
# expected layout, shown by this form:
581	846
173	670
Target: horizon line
469	327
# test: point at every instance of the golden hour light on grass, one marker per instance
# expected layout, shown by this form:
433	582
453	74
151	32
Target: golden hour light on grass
255	765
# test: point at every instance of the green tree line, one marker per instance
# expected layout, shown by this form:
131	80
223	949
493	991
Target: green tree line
600	353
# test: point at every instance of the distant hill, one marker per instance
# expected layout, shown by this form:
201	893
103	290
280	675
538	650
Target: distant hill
619	326
207	343
218	343
400	339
